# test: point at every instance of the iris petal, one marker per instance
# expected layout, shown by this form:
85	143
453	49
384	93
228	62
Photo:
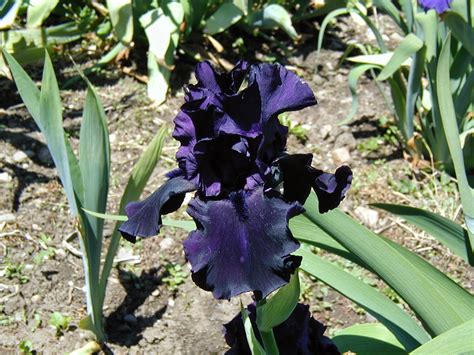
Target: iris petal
144	217
242	244
298	177
331	188
299	334
280	90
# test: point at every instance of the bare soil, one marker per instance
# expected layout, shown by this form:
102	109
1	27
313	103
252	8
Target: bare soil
144	314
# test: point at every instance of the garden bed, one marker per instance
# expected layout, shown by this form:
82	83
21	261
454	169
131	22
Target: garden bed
151	307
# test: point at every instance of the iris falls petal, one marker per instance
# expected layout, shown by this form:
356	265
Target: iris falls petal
144	217
242	243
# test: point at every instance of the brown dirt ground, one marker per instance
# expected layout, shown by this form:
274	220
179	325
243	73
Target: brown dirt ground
144	316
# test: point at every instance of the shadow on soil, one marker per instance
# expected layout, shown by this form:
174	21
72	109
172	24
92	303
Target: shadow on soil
122	326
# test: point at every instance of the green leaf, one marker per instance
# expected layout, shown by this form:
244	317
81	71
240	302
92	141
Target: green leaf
333	14
352	79
439	302
271	16
254	345
366	339
162	29
393	12
30	95
455	341
306	231
38	11
121	16
461	30
414	88
380	60
225	16
407	47
448	117
183	224
409	333
8	12
277	309
446	231
51	125
94	159
136	183
428	24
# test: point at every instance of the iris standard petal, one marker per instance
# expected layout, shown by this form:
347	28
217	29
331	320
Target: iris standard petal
144	217
227	83
439	6
280	90
299	334
331	188
298	177
242	243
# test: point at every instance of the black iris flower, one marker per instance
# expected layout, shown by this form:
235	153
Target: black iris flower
247	186
300	334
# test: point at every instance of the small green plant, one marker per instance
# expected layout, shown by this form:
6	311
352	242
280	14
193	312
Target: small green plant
26	347
60	322
175	276
47	252
300	131
16	271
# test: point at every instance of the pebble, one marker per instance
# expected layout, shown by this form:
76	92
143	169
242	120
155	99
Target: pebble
166	244
130	319
19	156
325	130
45	156
346	139
35	298
112	137
341	155
5	177
367	216
318	79
156	293
7	217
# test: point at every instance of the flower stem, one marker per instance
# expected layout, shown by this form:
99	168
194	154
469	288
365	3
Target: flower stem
269	343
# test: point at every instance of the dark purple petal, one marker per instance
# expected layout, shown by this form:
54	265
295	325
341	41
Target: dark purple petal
298	177
144	217
294	171
242	244
331	188
280	90
299	334
227	83
439	6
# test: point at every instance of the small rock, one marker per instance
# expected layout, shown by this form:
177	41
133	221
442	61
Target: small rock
130	319
367	216
171	302
5	177
35	298
156	293
7	217
19	156
45	156
325	130
142	343
318	79
396	37
36	227
152	334
341	155
166	244
112	137
346	139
